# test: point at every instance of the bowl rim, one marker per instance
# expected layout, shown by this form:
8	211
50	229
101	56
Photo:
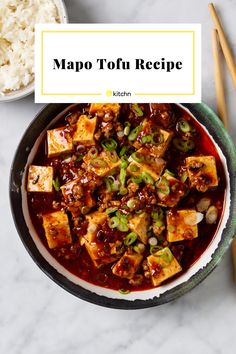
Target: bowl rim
201	112
29	89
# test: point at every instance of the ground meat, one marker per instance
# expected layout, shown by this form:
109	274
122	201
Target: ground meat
163	113
136	280
132	187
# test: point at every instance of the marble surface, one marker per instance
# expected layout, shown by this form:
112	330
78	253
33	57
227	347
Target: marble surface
37	316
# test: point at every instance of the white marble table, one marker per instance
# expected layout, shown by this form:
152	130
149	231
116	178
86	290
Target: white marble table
37	316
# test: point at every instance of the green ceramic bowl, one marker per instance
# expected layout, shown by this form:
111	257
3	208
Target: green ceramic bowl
107	297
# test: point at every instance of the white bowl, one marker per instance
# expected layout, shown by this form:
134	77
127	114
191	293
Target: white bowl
27	90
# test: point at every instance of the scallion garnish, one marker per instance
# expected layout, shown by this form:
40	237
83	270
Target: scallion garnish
183	126
56	184
163	186
123	291
98	163
109	144
154	249
134	168
136	109
127	128
124	150
137	179
113	222
136	156
93	152
134	133
111	210
147	178
79	158
147	139
169	172
131	203
130	238
183	145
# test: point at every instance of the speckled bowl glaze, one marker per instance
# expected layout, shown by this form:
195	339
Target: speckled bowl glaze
107	297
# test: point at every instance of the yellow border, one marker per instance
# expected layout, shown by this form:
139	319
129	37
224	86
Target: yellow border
118	31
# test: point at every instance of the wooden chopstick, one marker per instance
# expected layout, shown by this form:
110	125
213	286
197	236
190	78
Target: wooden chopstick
219	83
224	43
220	93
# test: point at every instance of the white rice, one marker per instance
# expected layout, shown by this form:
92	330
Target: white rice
17	20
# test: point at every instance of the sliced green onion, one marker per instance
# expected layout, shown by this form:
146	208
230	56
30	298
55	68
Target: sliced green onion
56	184
112	155
163	186
108	184
131	203
154	249
109	144
137	110
111	210
137	179
139	248
166	256
147	139
124	163
183	126
152	241
183	145
113	222
124	150
123	218
123	291
130	239
169	173
134	168
93	152
159	223
136	156
157	215
123	227
123	191
134	133
184	176
79	158
147	178
98	163
127	128
122	176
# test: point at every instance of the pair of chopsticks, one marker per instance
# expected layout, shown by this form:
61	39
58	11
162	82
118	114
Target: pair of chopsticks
220	42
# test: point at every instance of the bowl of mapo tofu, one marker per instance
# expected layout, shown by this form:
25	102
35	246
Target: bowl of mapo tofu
125	205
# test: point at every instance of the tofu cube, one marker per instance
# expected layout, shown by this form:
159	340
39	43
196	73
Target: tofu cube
160	149
106	163
85	128
128	265
170	190
154	168
106	108
57	229
69	190
181	225
101	253
59	141
162	266
40	179
139	224
202	172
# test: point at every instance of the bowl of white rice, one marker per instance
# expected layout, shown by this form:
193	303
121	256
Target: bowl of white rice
17	22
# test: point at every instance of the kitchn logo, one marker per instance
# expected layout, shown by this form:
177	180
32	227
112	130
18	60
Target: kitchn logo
111	93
